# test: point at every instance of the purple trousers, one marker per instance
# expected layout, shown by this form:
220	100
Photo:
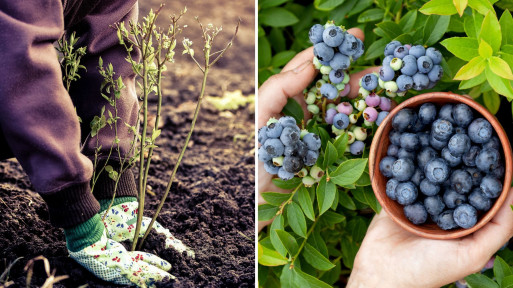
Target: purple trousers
38	122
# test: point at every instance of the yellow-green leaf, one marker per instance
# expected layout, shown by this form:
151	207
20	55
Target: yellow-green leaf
460	6
485	50
482	6
268	257
471	69
491	31
500	85
464	48
500	67
439	7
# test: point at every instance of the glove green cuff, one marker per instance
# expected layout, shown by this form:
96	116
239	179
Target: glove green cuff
85	234
104	203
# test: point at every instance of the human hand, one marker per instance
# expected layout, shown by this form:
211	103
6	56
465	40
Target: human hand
393	257
110	261
120	224
290	83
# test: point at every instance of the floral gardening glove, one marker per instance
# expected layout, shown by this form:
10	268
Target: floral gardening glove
121	220
110	261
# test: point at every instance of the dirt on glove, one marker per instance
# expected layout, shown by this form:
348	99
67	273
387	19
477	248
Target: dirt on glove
211	203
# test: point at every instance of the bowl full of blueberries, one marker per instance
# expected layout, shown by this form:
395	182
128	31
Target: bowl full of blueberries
440	165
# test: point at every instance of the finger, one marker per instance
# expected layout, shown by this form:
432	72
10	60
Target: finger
354	81
357	32
151	259
146	274
274	93
498	231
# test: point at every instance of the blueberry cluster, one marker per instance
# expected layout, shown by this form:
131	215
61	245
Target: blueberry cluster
286	149
407	67
445	163
334	50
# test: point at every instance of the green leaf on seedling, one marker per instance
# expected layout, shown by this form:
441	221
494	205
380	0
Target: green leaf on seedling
481	281
330	155
316	259
485	50
471	69
288	241
327	5
275	198
500	85
492	101
278	224
500	67
346	201
348	172
294	109
491	31
370	15
277	17
466	84
306	280
306	202
439	7
408	20
435	28
464	48
266	212
282	58
501	269
482	6
325	194
506	23
460	6
268	257
287	184
296	219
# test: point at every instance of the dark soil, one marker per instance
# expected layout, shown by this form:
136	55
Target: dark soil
211	204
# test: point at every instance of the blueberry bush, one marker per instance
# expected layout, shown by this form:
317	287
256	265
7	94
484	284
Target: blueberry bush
318	227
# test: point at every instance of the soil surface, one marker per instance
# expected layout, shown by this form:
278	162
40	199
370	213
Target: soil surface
211	204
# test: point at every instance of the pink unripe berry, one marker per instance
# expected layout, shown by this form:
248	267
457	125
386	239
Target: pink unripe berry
385	104
345	107
330	113
345	91
372	100
370	114
408	46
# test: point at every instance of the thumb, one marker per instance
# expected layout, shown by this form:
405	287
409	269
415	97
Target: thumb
274	93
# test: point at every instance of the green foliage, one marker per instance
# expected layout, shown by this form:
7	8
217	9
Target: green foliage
502	275
461	27
317	231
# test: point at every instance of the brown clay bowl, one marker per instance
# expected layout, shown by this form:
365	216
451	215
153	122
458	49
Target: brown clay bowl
379	148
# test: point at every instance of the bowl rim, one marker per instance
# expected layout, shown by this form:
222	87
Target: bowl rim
501	134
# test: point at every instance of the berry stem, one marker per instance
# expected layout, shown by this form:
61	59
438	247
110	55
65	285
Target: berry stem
282	206
304	241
